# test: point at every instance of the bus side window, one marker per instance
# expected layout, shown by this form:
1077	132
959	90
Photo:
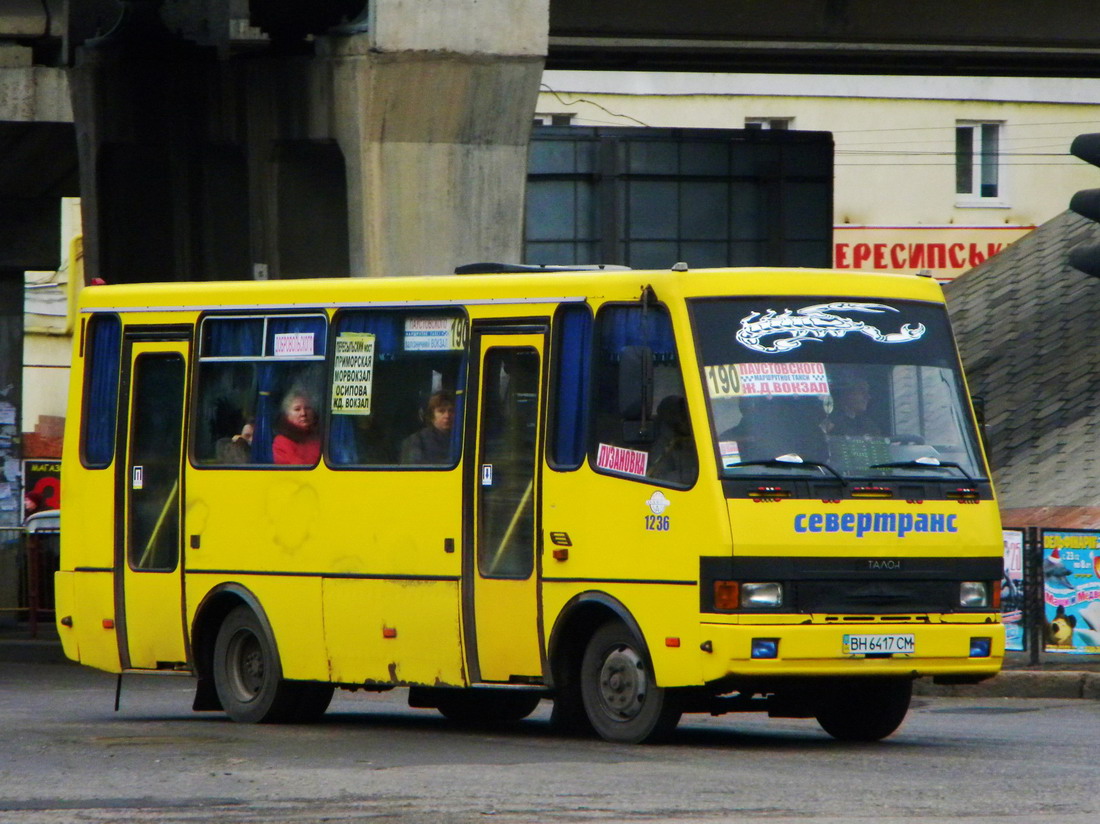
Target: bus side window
571	356
226	402
101	373
640	431
392	372
247	366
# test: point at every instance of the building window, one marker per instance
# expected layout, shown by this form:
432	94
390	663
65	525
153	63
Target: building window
648	198
769	122
561	119
978	160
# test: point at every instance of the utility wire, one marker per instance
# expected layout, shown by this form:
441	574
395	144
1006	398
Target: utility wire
577	100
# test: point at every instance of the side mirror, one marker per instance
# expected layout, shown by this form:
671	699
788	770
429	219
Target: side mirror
978	403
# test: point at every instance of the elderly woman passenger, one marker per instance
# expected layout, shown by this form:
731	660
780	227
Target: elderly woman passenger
297	441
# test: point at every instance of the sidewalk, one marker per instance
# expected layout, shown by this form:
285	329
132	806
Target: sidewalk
1057	676
17	646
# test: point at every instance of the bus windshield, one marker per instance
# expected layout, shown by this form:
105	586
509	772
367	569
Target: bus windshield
844	387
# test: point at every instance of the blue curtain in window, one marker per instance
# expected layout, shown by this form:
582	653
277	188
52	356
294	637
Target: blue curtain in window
571	390
388	331
267	408
622	326
101	410
231	337
460	408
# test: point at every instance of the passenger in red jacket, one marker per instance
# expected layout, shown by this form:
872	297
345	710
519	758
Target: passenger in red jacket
297	441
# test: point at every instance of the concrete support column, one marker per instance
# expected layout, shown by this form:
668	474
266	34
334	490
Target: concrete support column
432	107
140	98
395	145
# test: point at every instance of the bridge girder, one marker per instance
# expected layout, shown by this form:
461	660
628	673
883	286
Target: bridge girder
932	37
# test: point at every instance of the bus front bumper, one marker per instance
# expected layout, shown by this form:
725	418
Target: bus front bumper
971	650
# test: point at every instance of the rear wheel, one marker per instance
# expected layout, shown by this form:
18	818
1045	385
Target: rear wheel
620	695
864	709
249	678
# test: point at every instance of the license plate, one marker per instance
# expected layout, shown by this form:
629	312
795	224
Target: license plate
897	642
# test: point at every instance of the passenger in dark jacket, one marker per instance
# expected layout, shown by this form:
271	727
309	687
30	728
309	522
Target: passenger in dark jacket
432	444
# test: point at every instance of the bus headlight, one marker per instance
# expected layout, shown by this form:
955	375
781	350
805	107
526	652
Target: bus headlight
974	594
768	594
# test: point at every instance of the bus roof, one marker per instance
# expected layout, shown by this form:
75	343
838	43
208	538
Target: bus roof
533	287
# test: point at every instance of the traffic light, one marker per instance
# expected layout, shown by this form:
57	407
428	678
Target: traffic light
1086	256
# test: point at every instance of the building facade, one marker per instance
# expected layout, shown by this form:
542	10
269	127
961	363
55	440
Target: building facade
931	173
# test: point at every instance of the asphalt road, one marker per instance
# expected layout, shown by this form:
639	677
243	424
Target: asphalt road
66	756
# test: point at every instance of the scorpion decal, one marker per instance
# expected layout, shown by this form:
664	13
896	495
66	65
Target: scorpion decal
818	322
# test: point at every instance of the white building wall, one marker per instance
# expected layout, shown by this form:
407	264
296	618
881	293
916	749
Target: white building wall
48	321
894	138
46	361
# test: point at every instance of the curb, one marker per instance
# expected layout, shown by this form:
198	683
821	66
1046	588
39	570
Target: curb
1020	684
28	651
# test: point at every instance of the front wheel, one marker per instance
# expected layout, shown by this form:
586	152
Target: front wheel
249	677
864	709
620	694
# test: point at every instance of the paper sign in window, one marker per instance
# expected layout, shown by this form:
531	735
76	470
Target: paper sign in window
293	344
352	373
434	334
739	380
618	459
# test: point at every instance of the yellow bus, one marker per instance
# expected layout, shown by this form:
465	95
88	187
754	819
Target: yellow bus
636	493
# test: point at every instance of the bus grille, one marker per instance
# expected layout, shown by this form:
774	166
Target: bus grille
876	597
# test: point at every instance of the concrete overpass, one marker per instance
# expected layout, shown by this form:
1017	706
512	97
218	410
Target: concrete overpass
930	37
287	138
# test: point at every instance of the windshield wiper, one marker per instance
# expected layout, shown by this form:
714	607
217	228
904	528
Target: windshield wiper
923	463
791	461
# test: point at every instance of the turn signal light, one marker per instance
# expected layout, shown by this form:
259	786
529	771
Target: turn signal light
727	594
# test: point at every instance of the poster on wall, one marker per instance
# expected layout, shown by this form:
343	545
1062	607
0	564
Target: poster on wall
1012	591
41	485
1071	591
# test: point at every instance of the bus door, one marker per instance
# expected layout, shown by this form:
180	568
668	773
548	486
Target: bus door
149	591
500	568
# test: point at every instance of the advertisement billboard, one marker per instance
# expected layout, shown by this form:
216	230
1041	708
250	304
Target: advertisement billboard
1071	591
1012	591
